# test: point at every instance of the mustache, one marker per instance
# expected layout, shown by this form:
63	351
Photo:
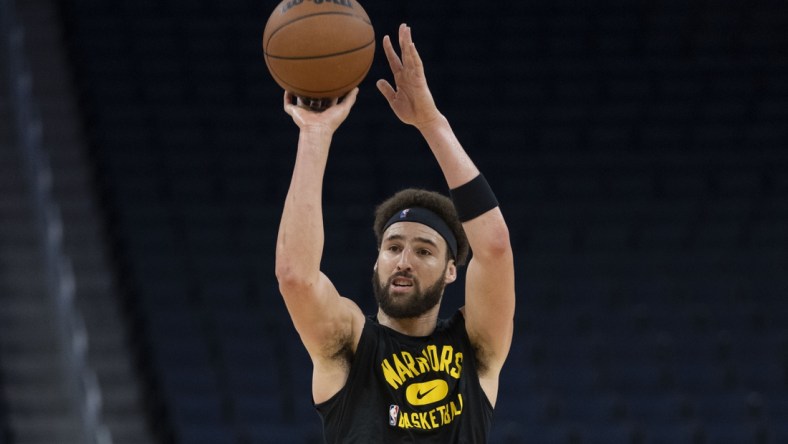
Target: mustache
401	274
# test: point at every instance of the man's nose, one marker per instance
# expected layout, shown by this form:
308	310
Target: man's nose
404	260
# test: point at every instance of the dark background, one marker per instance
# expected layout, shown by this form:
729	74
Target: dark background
638	150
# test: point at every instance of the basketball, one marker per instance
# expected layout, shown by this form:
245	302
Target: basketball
318	49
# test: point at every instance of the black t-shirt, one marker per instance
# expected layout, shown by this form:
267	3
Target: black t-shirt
404	389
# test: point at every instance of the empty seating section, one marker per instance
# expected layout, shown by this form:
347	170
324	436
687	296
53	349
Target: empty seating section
5	435
638	151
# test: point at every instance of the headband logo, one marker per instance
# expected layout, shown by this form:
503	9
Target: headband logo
428	218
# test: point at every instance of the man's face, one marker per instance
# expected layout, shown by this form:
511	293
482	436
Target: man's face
411	271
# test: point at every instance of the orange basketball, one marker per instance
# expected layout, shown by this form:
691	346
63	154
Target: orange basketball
318	48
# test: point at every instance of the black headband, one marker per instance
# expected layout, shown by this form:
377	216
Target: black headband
430	219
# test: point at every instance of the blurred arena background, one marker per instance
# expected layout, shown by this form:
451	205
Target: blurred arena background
638	148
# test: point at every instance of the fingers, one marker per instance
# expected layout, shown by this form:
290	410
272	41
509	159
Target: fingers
403	37
410	57
288	102
340	109
405	42
394	61
386	89
350	98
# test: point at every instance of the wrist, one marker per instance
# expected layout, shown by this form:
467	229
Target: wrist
317	131
315	140
437	121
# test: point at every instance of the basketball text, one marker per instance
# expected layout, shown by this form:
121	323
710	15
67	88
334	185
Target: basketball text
290	4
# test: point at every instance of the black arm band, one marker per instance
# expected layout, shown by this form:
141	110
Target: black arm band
473	198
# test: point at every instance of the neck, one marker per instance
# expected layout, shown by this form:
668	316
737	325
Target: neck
422	325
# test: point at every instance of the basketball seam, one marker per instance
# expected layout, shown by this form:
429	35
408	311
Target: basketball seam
322	56
308	16
326	91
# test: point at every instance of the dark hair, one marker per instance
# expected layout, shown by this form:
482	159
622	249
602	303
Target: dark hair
431	200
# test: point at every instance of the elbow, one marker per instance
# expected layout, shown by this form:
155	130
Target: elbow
296	286
292	284
284	273
497	245
501	244
289	276
296	271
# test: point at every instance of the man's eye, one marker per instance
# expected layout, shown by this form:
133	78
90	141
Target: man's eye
425	252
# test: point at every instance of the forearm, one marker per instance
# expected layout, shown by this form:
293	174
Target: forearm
489	284
300	239
456	165
487	231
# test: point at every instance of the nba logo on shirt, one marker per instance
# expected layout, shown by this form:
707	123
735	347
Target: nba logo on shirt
393	413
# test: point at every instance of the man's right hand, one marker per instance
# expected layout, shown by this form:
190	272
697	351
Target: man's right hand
328	120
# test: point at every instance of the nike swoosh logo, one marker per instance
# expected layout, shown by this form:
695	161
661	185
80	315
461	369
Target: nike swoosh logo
428	392
421	395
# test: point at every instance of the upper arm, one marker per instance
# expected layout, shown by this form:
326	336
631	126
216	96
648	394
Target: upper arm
489	288
326	322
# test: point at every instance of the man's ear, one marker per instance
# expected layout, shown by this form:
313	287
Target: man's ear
451	272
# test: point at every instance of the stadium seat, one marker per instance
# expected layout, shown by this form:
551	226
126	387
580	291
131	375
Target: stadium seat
278	433
607	434
732	433
678	433
601	409
659	408
205	434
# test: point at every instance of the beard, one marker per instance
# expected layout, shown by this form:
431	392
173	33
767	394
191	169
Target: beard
407	306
